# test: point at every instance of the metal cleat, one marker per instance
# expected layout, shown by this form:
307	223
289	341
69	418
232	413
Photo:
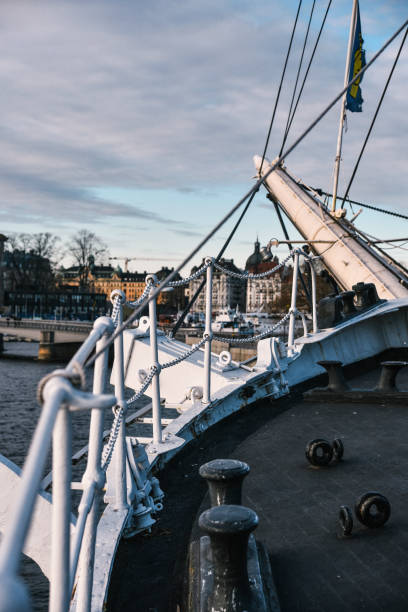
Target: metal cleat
388	375
224	479
334	370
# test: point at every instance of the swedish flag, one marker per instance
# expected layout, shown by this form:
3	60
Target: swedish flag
354	98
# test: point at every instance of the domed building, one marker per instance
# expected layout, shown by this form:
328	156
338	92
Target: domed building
262	292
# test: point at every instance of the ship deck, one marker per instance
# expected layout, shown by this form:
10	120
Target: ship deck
313	567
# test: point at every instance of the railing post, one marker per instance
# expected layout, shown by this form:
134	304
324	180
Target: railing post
61	512
292	311
156	408
314	299
95	473
119	452
208	334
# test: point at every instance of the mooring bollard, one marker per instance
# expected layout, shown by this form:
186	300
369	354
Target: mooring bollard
224	478
336	377
388	375
229	528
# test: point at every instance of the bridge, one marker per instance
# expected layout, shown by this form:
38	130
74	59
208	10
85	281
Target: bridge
64	331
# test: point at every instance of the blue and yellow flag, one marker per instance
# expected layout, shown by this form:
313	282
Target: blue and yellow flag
354	98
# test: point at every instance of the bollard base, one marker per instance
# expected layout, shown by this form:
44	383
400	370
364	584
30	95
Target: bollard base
263	597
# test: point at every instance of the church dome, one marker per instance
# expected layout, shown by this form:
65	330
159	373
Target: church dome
255	259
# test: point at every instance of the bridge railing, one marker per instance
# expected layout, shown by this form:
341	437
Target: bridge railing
133	493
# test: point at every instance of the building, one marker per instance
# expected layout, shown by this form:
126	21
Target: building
228	291
262	293
105	279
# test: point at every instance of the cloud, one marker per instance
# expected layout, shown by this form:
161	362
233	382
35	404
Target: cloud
177	95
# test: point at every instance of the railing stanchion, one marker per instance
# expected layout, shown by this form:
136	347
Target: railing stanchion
291	333
93	472
208	335
314	298
156	408
61	511
119	452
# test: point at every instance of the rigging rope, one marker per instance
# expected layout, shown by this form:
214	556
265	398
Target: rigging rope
297	77
306	75
203	282
376	208
353	174
153	294
193	299
280	87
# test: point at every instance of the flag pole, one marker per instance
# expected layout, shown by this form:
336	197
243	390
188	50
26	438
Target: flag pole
343	105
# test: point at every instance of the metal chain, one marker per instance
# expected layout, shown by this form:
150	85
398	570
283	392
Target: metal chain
261	336
146	383
113	436
247	276
177	360
139	300
115	310
196	274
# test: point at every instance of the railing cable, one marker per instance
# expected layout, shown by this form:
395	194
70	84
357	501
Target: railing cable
155	292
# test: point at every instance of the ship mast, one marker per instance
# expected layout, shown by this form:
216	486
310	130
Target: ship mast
343	104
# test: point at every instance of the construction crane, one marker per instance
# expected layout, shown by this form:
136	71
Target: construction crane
127	259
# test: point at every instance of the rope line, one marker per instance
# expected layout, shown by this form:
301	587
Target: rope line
280	87
370	206
285	133
353	174
244	198
307	72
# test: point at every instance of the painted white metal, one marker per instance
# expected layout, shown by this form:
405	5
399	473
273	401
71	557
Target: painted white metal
208	335
93	475
61	510
291	334
343	104
346	259
119	452
157	435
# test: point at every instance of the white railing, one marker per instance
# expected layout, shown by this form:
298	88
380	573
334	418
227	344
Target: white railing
107	469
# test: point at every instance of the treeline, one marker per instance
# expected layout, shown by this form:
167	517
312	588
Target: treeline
33	261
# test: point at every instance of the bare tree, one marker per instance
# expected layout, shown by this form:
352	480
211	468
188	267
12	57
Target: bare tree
86	249
32	260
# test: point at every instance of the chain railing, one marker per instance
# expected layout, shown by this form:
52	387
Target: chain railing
62	394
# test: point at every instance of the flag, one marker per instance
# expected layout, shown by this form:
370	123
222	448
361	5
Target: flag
354	100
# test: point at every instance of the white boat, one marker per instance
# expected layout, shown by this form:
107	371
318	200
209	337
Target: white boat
191	390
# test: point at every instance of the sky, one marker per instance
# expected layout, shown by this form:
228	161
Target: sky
139	121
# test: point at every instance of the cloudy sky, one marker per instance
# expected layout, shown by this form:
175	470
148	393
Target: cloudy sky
139	120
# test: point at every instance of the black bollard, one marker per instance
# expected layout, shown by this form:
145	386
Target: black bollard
224	478
336	377
229	528
347	298
388	374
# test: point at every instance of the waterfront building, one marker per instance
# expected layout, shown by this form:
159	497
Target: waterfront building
263	293
228	292
105	279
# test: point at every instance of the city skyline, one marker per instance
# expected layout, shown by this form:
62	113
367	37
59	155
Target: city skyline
140	122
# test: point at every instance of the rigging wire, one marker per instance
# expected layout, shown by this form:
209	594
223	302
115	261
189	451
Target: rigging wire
306	75
201	286
193	299
353	174
376	208
280	86
153	294
297	76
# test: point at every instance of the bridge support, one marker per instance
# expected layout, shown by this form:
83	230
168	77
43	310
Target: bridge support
49	350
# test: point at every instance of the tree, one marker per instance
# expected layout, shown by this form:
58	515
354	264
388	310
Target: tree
86	248
31	260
